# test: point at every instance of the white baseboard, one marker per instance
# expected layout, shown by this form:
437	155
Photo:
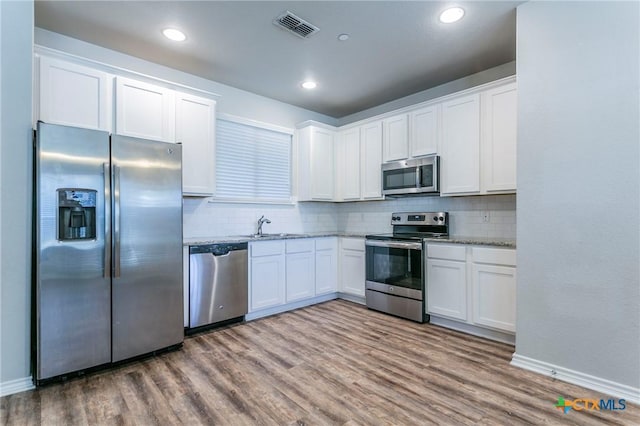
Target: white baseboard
18	385
352	298
290	306
598	384
476	331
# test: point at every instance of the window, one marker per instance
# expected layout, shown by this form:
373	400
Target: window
253	163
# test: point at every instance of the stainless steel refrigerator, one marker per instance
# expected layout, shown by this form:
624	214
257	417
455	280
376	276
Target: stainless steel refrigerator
108	248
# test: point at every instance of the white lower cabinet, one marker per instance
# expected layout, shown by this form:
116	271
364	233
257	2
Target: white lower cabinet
352	266
447	290
300	267
473	285
267	283
494	296
326	265
285	274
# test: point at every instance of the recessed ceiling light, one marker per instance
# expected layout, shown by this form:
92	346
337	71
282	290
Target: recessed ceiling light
343	37
309	84
453	14
173	34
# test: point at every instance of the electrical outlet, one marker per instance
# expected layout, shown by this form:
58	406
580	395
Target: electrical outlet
485	217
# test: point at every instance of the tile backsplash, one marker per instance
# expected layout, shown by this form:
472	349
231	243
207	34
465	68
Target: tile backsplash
466	214
205	219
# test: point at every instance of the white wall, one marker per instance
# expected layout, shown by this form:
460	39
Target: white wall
16	38
578	188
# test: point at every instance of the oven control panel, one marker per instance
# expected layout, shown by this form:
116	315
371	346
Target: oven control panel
424	218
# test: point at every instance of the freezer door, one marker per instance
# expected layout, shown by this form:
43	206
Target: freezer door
147	307
73	295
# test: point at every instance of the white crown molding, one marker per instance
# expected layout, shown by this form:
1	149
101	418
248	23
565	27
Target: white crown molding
598	384
15	386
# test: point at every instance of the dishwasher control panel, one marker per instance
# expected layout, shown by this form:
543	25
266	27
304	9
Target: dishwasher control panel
218	249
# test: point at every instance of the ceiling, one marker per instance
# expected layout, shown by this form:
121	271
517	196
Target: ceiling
395	48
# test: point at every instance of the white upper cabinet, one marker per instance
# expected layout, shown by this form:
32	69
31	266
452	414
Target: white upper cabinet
349	161
316	169
195	129
371	160
460	154
425	126
478	146
499	136
144	110
395	140
74	95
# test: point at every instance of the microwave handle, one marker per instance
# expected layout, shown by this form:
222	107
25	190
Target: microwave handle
418	176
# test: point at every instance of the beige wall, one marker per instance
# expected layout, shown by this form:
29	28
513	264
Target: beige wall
578	188
16	39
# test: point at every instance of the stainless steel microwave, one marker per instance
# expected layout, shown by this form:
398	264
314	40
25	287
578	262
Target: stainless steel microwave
415	176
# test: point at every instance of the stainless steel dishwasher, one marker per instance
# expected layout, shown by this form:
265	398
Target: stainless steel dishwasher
218	283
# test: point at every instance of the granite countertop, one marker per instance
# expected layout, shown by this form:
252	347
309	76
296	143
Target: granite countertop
484	241
478	241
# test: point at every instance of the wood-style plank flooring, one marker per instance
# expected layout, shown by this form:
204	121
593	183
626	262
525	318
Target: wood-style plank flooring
336	363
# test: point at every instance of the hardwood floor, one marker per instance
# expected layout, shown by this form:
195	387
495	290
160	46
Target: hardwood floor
333	363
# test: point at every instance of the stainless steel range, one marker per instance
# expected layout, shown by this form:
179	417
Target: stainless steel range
395	270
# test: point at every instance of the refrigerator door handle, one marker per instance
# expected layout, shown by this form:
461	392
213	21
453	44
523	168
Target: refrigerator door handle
106	170
116	221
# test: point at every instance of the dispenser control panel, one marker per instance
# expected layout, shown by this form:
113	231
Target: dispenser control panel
76	214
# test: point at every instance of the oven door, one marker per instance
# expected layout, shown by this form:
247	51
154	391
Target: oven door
395	267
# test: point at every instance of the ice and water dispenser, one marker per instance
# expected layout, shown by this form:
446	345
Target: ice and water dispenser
76	214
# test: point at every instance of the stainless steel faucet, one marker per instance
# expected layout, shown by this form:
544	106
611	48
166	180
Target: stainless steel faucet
261	222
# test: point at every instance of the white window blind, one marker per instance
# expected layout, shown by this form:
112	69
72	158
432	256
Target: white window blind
252	163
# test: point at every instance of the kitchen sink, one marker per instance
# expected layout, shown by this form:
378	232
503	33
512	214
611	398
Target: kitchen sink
282	235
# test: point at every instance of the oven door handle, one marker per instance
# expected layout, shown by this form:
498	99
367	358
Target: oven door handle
394	244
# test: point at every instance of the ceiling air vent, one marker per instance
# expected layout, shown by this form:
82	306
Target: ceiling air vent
295	24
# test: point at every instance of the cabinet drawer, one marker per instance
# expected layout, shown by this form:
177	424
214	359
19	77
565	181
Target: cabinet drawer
301	245
353	244
447	252
266	248
325	243
494	256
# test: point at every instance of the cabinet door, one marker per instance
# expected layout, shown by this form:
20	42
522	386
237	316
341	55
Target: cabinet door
350	164
395	140
352	266
460	156
300	276
447	288
73	95
371	160
195	129
144	110
267	282
326	265
424	131
499	137
322	164
494	296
